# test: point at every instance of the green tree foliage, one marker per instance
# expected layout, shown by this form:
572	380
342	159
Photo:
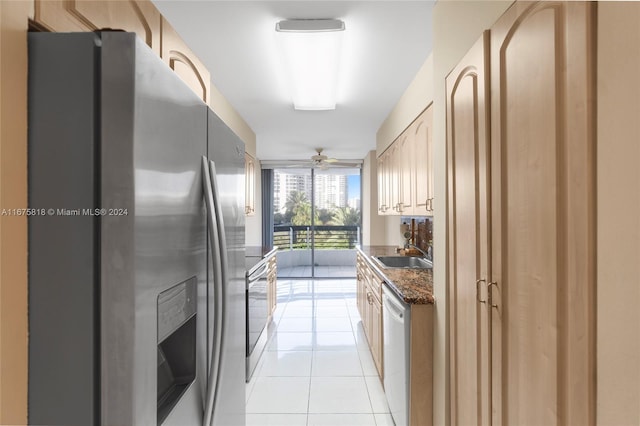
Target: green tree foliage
298	208
325	216
346	216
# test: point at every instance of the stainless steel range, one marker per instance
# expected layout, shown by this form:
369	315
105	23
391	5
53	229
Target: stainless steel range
257	312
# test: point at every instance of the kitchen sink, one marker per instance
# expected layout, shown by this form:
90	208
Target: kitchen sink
407	262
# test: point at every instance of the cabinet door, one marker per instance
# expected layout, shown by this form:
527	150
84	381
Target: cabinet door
423	172
406	168
382	185
249	184
139	16
376	334
360	291
468	162
394	178
183	62
428	128
543	192
273	285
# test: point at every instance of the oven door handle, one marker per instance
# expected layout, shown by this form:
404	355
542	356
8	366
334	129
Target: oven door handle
259	273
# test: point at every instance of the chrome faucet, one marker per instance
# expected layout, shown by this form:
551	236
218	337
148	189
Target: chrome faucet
424	253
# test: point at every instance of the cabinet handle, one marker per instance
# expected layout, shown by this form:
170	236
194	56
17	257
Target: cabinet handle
490	291
478	290
400	209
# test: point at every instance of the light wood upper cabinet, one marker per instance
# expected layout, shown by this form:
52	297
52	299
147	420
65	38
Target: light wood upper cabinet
394	178
183	62
469	243
420	131
405	171
522	221
385	183
139	16
249	185
382	185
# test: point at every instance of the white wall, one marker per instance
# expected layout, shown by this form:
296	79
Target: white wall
413	101
618	216
233	119
456	26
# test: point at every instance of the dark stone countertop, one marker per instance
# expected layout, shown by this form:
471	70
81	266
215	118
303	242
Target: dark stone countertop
414	286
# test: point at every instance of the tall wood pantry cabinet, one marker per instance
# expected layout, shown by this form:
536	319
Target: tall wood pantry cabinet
521	220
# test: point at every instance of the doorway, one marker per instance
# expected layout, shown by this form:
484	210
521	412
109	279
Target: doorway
316	221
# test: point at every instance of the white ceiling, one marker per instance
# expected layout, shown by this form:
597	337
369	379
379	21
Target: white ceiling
385	43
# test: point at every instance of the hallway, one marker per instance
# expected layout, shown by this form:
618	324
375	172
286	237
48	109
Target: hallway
317	368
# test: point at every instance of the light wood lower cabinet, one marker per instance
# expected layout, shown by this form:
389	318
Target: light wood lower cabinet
369	300
522	221
421	366
272	286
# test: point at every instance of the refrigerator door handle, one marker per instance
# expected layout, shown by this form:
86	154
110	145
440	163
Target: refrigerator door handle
222	240
214	237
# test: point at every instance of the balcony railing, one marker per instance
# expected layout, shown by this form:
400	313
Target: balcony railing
290	237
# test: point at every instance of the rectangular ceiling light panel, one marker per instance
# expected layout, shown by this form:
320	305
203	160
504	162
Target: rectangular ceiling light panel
311	52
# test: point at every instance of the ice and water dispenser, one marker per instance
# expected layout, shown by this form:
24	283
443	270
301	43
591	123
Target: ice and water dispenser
176	344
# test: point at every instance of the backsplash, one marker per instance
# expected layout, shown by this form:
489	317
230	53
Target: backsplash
424	232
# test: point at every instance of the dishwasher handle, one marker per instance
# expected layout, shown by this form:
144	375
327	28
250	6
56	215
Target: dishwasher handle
393	305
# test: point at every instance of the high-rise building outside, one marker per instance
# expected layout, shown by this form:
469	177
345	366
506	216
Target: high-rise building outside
331	190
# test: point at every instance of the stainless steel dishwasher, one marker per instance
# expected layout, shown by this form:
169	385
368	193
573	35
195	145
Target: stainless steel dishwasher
396	319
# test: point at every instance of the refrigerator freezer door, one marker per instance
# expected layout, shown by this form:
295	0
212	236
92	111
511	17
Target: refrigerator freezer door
63	249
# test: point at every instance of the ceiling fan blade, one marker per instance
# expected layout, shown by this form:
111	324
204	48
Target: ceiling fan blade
344	164
331	160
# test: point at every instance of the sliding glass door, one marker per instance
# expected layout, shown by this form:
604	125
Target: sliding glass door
317	217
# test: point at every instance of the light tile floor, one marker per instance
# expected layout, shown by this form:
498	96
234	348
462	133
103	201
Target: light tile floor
317	369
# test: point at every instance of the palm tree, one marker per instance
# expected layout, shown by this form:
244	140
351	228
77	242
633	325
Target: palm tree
325	216
346	216
294	199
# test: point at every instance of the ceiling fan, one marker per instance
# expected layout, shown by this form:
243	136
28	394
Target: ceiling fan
319	160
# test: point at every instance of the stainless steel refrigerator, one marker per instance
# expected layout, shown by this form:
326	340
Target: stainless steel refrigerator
136	262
